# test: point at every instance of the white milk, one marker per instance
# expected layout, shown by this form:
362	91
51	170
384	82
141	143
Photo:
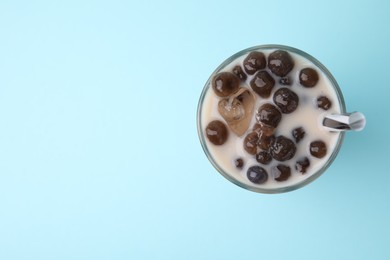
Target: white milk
307	115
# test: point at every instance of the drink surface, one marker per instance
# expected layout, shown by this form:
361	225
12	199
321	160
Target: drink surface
308	116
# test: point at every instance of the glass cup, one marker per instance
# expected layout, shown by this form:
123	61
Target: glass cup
336	123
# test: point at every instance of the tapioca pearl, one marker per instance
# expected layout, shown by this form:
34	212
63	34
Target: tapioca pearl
262	83
257	174
263	157
263	129
238	71
281	172
269	114
265	141
239	163
308	77
225	83
298	134
302	165
286	99
283	148
280	63
318	149
255	61
217	132
250	143
285	81
324	103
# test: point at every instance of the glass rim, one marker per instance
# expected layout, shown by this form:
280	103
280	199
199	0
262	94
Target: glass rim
280	189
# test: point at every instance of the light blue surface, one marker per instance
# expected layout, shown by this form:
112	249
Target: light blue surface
99	155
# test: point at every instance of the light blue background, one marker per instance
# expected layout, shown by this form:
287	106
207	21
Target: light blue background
99	154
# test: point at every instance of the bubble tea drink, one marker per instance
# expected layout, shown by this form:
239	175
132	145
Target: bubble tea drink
269	119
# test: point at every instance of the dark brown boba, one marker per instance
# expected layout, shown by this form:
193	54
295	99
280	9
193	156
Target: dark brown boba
265	141
282	149
308	77
280	63
257	128
298	133
254	61
250	143
286	100
262	83
237	70
266	130
263	157
281	172
285	81
257	174
302	165
268	114
318	149
225	83
239	163
323	102
217	132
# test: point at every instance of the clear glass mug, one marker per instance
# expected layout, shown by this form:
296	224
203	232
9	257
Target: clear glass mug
337	122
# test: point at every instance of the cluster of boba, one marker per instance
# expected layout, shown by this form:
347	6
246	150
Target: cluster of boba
237	107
